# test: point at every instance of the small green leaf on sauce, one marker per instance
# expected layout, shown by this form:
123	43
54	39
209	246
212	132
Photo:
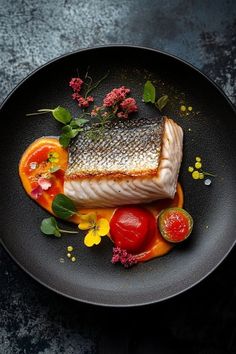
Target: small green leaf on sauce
149	92
63	206
54	169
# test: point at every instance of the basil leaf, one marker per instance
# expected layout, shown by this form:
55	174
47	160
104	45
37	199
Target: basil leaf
162	102
63	206
49	227
64	140
62	115
149	92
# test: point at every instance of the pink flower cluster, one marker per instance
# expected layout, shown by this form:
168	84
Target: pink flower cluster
118	103
43	185
123	257
116	96
127	106
76	84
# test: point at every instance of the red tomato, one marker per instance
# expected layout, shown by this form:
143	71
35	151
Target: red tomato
131	228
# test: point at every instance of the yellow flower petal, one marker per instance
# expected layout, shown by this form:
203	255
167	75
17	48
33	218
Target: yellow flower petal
88	240
92	238
85	225
97	239
103	227
90	217
88	221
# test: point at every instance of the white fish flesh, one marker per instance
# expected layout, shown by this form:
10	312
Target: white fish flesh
135	161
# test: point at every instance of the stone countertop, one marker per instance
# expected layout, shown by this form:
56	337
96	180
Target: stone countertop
35	320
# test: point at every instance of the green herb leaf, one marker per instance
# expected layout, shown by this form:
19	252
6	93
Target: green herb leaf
54	169
78	122
162	102
62	115
149	92
63	206
64	140
49	227
92	87
70	132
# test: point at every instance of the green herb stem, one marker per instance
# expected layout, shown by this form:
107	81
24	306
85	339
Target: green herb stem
45	110
68	231
37	113
208	174
96	84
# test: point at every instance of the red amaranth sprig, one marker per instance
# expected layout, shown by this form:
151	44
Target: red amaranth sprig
116	96
76	83
123	257
115	105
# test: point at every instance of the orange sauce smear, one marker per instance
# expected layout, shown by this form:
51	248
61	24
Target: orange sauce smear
38	152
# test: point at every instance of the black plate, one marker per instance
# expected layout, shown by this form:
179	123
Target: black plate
209	132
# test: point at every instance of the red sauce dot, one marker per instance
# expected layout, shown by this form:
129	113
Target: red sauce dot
176	225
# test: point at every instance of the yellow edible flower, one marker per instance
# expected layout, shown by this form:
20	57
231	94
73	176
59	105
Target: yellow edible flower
97	228
53	156
201	175
198	165
195	175
190	169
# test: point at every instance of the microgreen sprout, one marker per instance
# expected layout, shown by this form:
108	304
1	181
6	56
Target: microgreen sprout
49	226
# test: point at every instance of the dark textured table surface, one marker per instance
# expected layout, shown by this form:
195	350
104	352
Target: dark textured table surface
35	320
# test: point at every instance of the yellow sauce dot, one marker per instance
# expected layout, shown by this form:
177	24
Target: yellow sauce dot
70	248
201	175
68	255
190	108
195	175
198	165
183	108
198	159
190	169
73	259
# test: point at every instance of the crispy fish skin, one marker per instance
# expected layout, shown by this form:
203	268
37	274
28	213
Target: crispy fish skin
135	162
127	148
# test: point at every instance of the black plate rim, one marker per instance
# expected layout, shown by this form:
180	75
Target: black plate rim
119	46
149	49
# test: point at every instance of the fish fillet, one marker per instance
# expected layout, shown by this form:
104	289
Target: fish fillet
135	161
